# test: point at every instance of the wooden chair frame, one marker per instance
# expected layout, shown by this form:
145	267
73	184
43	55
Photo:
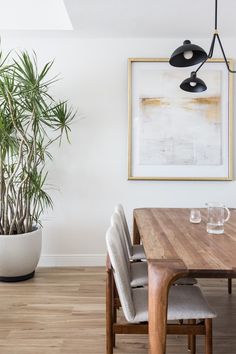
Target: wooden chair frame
191	329
229	285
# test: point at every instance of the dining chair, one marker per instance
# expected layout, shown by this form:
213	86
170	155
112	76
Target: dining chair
186	303
136	252
139	272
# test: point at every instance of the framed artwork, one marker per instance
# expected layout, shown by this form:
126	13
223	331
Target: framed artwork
178	135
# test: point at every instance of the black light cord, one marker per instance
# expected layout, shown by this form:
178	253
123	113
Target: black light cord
222	49
211	51
209	54
216	14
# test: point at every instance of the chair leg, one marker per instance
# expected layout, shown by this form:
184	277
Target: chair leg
109	311
114	321
229	285
189	342
208	336
192	339
114	311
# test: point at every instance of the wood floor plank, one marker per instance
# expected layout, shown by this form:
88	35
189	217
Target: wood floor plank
62	311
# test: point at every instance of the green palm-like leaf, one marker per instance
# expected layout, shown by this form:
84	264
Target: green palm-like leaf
31	120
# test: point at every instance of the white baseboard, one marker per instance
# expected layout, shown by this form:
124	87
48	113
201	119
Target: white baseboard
72	260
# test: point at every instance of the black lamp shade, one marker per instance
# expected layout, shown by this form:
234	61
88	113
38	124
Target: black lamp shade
187	54
193	84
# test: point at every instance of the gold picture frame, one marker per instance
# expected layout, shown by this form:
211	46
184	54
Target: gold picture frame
227	123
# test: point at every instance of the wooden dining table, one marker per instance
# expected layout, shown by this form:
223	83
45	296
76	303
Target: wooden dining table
175	248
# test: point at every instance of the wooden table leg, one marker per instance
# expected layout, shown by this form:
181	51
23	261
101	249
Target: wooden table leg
136	235
161	274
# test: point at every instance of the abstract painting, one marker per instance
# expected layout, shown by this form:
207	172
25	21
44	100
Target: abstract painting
175	134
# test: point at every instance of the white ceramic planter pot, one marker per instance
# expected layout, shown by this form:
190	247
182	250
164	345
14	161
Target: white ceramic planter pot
19	255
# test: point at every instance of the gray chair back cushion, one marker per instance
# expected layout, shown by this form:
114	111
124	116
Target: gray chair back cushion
121	272
116	220
120	210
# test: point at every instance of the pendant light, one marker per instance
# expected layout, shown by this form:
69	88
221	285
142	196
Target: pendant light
190	54
187	55
193	84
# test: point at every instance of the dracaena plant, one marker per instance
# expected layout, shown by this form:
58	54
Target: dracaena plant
30	121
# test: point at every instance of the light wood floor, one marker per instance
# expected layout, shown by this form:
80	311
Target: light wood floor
62	311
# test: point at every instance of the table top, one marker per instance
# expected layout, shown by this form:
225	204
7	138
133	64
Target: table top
167	234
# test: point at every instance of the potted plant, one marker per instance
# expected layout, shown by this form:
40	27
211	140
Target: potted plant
30	121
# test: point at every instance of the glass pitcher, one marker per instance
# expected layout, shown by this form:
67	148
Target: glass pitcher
216	218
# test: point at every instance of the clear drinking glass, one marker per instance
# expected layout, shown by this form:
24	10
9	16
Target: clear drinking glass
195	216
216	218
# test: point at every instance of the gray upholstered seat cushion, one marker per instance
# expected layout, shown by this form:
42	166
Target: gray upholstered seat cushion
138	252
185	302
139	274
185	281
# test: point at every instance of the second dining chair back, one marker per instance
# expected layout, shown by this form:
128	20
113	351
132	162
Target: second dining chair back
120	210
135	252
117	221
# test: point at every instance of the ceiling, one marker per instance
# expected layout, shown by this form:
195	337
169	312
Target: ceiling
118	18
150	18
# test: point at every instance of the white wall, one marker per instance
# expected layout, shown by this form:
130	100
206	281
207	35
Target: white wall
91	173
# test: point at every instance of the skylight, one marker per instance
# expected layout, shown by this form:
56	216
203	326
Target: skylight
34	15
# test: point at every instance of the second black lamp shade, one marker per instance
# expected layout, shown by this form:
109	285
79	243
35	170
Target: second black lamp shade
193	84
